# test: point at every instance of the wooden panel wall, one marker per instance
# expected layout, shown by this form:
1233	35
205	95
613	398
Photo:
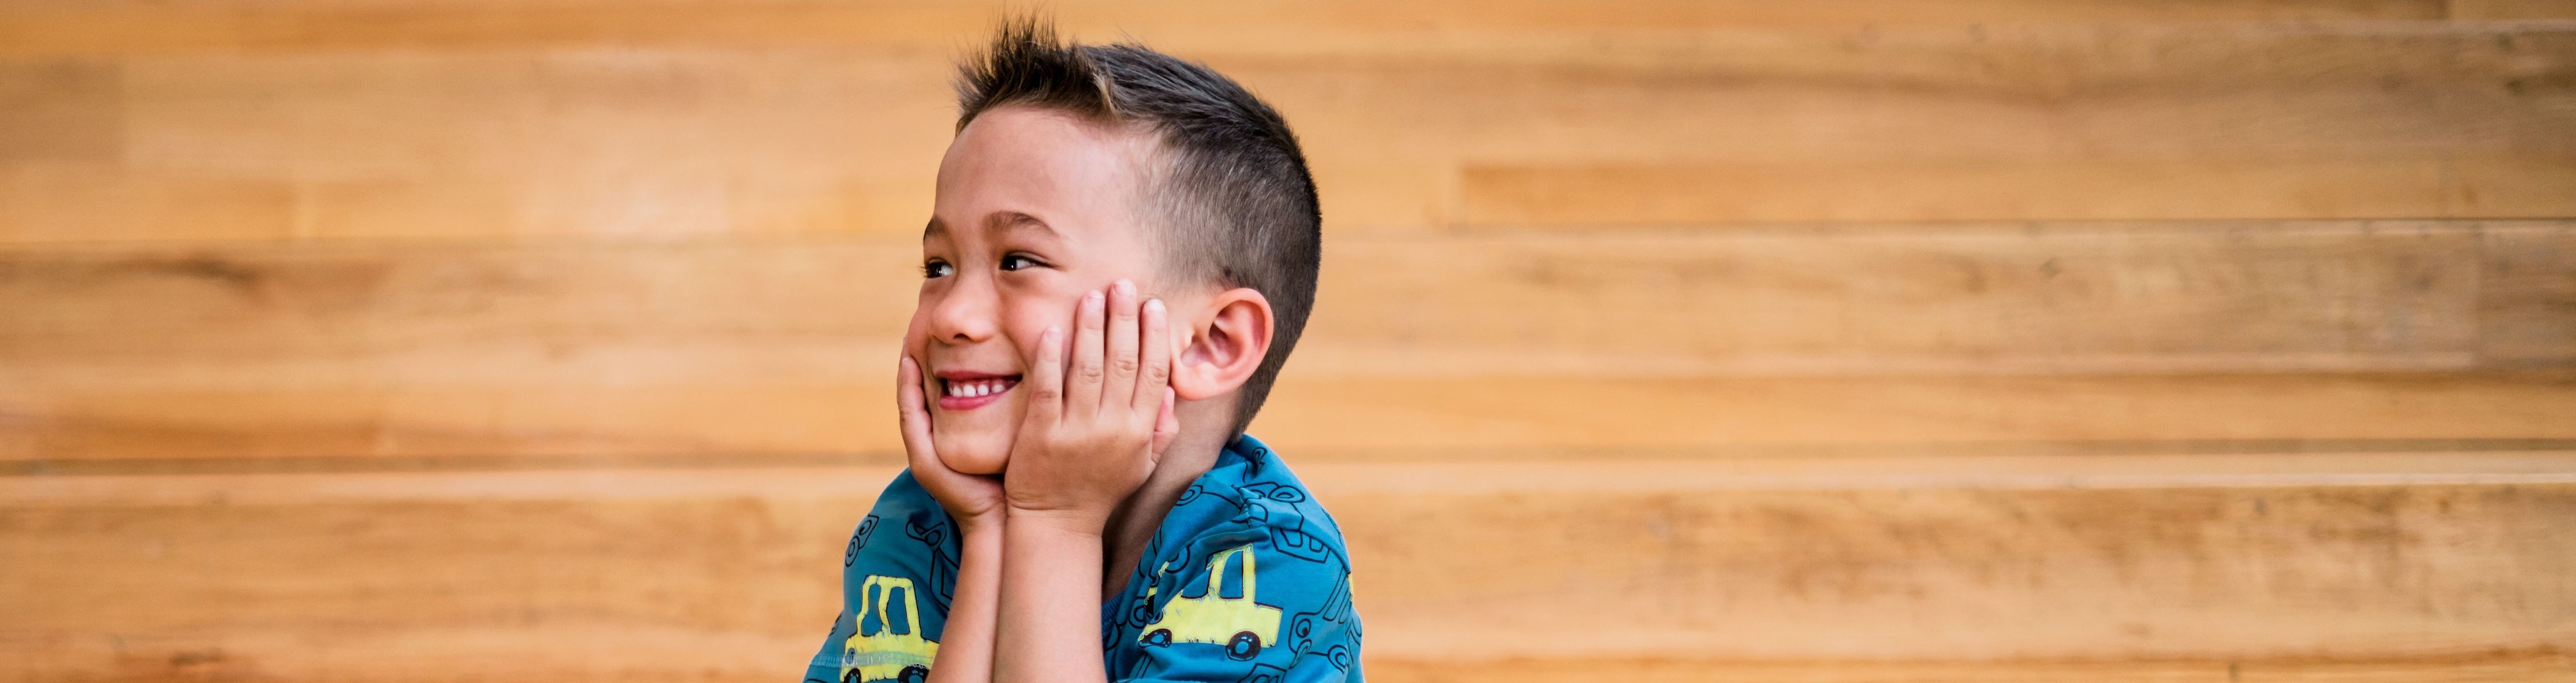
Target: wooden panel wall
1851	340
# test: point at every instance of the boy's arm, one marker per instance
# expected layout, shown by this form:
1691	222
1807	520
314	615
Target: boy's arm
1050	628
966	643
966	647
1090	440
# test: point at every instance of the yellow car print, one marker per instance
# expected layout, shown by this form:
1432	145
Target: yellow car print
1240	624
886	655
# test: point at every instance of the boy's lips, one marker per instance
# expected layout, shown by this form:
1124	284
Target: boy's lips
968	390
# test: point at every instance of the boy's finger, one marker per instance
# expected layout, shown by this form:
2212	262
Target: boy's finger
1119	388
1045	380
1166	425
912	414
1154	379
1082	387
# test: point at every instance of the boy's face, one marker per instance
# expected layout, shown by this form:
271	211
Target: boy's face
1034	209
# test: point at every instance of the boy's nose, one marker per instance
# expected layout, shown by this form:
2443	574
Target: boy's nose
965	313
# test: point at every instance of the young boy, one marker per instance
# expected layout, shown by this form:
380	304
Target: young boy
1121	254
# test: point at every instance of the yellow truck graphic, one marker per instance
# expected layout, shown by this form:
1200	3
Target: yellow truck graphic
886	655
1242	625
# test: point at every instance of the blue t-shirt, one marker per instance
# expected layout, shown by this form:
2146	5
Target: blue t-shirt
1246	581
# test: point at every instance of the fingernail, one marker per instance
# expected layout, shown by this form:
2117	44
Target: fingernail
1125	287
1092	298
1155	305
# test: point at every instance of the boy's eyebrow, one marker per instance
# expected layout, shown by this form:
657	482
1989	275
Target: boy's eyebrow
1001	220
1014	220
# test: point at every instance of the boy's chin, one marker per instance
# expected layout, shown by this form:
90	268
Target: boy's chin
974	455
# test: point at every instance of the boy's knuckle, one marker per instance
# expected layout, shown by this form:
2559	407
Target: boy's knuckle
1127	366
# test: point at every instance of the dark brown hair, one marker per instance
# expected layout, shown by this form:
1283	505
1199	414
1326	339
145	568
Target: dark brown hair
1237	205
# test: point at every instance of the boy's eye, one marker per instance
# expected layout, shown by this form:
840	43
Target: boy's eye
932	270
1018	261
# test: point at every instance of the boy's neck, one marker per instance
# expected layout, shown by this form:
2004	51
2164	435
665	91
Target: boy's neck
1132	526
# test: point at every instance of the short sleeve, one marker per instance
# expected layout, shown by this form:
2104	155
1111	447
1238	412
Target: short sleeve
897	577
826	665
1262	603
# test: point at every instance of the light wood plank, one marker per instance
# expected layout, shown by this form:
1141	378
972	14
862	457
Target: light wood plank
2332	560
2494	10
1973	573
90	28
60	110
552	576
1978	299
2156	123
1950	124
2481	667
2008	190
613	143
376	314
1981	299
1488	418
66	202
2048	334
2527	287
1369	420
1555	129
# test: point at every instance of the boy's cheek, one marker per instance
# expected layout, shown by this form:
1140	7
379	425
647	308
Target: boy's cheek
915	341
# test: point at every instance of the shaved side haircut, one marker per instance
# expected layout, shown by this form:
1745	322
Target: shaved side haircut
1235	203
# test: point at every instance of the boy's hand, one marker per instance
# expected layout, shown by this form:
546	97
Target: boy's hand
1093	433
973	499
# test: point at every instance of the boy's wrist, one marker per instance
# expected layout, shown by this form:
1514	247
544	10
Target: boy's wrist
1059	521
988	522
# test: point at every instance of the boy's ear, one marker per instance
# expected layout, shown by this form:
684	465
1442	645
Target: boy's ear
1222	352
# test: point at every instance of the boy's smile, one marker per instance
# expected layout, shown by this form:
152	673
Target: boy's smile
1034	209
968	390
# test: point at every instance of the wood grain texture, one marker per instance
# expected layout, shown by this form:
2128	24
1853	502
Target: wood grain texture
126	27
2196	297
1970	333
1973	299
1968	190
60	110
2482	667
1659	560
2031	122
2494	10
1479	419
2528	286
1381	419
1901	341
725	573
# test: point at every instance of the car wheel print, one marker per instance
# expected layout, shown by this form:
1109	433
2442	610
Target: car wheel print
1160	637
1243	645
1143	613
913	674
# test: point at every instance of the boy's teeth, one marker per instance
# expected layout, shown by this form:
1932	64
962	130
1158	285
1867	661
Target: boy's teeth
979	387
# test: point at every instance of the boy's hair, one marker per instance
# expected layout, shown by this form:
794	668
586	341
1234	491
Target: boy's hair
1236	202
